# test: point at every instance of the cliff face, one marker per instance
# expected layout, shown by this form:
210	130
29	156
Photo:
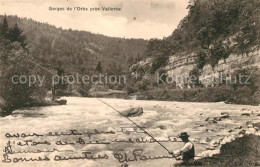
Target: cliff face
230	65
181	65
222	41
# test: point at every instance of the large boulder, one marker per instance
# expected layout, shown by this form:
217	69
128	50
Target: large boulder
61	102
133	112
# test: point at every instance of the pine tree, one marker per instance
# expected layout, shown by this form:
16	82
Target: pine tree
16	34
4	28
99	67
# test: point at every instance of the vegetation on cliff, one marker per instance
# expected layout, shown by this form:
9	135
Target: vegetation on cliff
212	30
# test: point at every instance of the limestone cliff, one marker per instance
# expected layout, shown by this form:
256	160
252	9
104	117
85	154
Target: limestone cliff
182	64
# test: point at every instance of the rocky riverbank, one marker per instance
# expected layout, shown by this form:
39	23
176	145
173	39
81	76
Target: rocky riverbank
242	151
6	110
225	93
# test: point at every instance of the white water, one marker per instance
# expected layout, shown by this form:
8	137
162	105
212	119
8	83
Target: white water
161	119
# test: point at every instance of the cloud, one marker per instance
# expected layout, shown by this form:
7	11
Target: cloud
137	19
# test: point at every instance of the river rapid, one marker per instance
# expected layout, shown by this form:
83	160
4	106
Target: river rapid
163	120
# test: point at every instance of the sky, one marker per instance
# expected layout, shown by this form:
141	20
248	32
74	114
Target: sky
137	18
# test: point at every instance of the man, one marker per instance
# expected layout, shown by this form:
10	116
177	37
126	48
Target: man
188	150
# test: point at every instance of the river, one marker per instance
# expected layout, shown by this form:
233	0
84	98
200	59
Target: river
161	119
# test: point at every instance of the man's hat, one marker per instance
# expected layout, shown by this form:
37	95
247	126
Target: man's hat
183	134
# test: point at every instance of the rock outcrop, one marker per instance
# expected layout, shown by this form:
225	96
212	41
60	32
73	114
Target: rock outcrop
229	65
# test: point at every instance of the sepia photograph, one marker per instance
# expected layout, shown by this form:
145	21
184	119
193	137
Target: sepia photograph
129	83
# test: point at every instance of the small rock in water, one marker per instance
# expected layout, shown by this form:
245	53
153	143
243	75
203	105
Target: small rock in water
205	141
256	128
249	132
239	127
216	119
245	114
208	139
209	153
250	126
224	113
162	127
231	130
211	148
242	132
196	139
209	130
214	143
227	140
225	116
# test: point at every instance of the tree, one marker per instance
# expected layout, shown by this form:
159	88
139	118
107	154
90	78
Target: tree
4	28
201	61
16	34
99	67
14	61
194	75
15	93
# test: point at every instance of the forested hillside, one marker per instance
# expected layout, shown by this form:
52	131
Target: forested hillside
29	48
78	51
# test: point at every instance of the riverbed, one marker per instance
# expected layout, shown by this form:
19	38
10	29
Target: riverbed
163	120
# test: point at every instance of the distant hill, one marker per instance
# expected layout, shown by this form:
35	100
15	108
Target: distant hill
78	51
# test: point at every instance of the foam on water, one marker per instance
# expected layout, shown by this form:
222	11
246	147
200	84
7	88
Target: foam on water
161	119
